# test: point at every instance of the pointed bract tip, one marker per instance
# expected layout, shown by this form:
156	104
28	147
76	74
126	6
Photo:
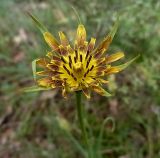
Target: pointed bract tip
41	27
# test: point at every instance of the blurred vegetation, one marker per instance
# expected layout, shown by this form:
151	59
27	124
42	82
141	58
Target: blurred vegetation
29	123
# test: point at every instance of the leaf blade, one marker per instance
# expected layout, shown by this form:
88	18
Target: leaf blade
34	69
114	28
35	89
125	65
41	27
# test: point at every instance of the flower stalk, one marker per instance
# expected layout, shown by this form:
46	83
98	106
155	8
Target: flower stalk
80	113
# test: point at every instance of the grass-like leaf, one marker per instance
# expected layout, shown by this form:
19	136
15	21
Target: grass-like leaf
35	89
42	28
100	137
34	68
114	28
125	65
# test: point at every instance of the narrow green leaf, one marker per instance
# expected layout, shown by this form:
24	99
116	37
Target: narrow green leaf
107	94
114	28
123	66
38	23
98	89
35	89
100	137
34	69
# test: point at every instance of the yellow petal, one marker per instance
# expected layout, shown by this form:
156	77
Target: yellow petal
101	61
42	62
56	58
63	39
81	35
103	46
70	50
45	82
53	66
43	73
97	71
91	44
100	91
86	93
51	41
64	92
56	62
63	50
57	83
103	81
49	55
112	70
89	80
114	57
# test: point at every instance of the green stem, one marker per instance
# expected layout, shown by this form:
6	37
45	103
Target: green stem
81	115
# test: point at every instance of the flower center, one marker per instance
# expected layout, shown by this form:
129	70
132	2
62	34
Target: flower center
78	70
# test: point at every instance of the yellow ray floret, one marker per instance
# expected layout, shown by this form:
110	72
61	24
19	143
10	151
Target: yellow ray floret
83	67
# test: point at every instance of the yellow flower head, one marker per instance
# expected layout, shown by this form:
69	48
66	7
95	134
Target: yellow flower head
80	67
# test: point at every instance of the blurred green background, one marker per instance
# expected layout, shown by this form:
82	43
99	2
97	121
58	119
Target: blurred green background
29	122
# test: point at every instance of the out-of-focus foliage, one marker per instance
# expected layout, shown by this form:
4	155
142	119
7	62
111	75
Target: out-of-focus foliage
28	122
